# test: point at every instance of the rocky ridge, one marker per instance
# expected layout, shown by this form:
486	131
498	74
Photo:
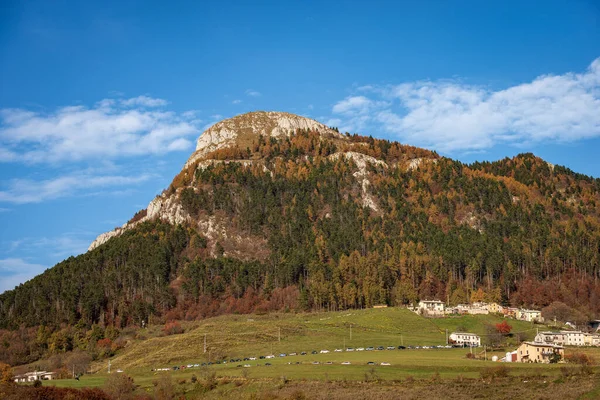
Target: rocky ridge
239	131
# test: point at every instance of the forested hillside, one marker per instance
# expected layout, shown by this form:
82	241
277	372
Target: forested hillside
311	222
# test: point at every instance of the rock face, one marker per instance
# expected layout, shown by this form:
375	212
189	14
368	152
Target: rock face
240	130
244	128
165	207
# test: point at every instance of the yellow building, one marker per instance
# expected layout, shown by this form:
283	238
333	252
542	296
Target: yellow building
538	352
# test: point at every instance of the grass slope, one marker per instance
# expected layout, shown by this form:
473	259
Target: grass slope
233	336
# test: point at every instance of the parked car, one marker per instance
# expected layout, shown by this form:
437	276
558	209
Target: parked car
391	347
385	363
262	357
324	351
338	350
370	363
360	349
246	365
267	364
314	352
370	348
350	349
380	348
252	358
401	348
346	363
292	354
316	362
270	356
282	355
303	353
328	363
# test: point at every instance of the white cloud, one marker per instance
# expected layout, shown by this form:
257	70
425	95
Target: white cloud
144	101
253	93
22	191
14	271
107	130
452	116
4	210
236	101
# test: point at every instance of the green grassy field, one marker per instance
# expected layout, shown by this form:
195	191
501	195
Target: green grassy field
239	336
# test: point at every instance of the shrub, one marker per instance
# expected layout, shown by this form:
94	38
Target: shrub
500	371
119	386
579	358
172	328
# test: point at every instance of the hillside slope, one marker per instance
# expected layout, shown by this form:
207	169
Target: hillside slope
275	211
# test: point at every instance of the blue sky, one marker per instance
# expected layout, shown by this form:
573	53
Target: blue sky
100	103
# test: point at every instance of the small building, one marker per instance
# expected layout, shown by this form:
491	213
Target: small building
380	306
431	307
465	339
34	376
574	338
591	339
538	352
551	337
495	308
530	315
510	312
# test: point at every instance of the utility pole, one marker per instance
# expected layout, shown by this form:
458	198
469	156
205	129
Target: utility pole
279	335
344	344
350	331
109	366
401	340
73	371
446	336
205	343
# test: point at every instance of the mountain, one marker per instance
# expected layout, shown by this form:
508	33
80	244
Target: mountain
275	211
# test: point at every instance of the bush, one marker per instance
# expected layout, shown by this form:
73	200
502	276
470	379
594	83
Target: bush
172	328
163	388
579	358
500	371
119	386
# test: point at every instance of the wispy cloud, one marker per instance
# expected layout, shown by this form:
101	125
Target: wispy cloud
110	129
453	116
14	271
22	191
253	93
144	101
236	101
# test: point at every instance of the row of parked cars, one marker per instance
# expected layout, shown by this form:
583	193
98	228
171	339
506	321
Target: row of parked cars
303	353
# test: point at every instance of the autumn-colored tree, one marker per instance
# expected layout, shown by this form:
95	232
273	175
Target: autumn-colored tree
6	374
503	328
478	296
119	386
172	328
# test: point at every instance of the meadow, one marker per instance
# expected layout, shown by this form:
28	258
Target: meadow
241	336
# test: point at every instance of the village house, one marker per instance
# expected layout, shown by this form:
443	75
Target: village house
551	337
510	312
34	376
494	308
538	352
574	338
529	315
465	339
591	339
431	307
